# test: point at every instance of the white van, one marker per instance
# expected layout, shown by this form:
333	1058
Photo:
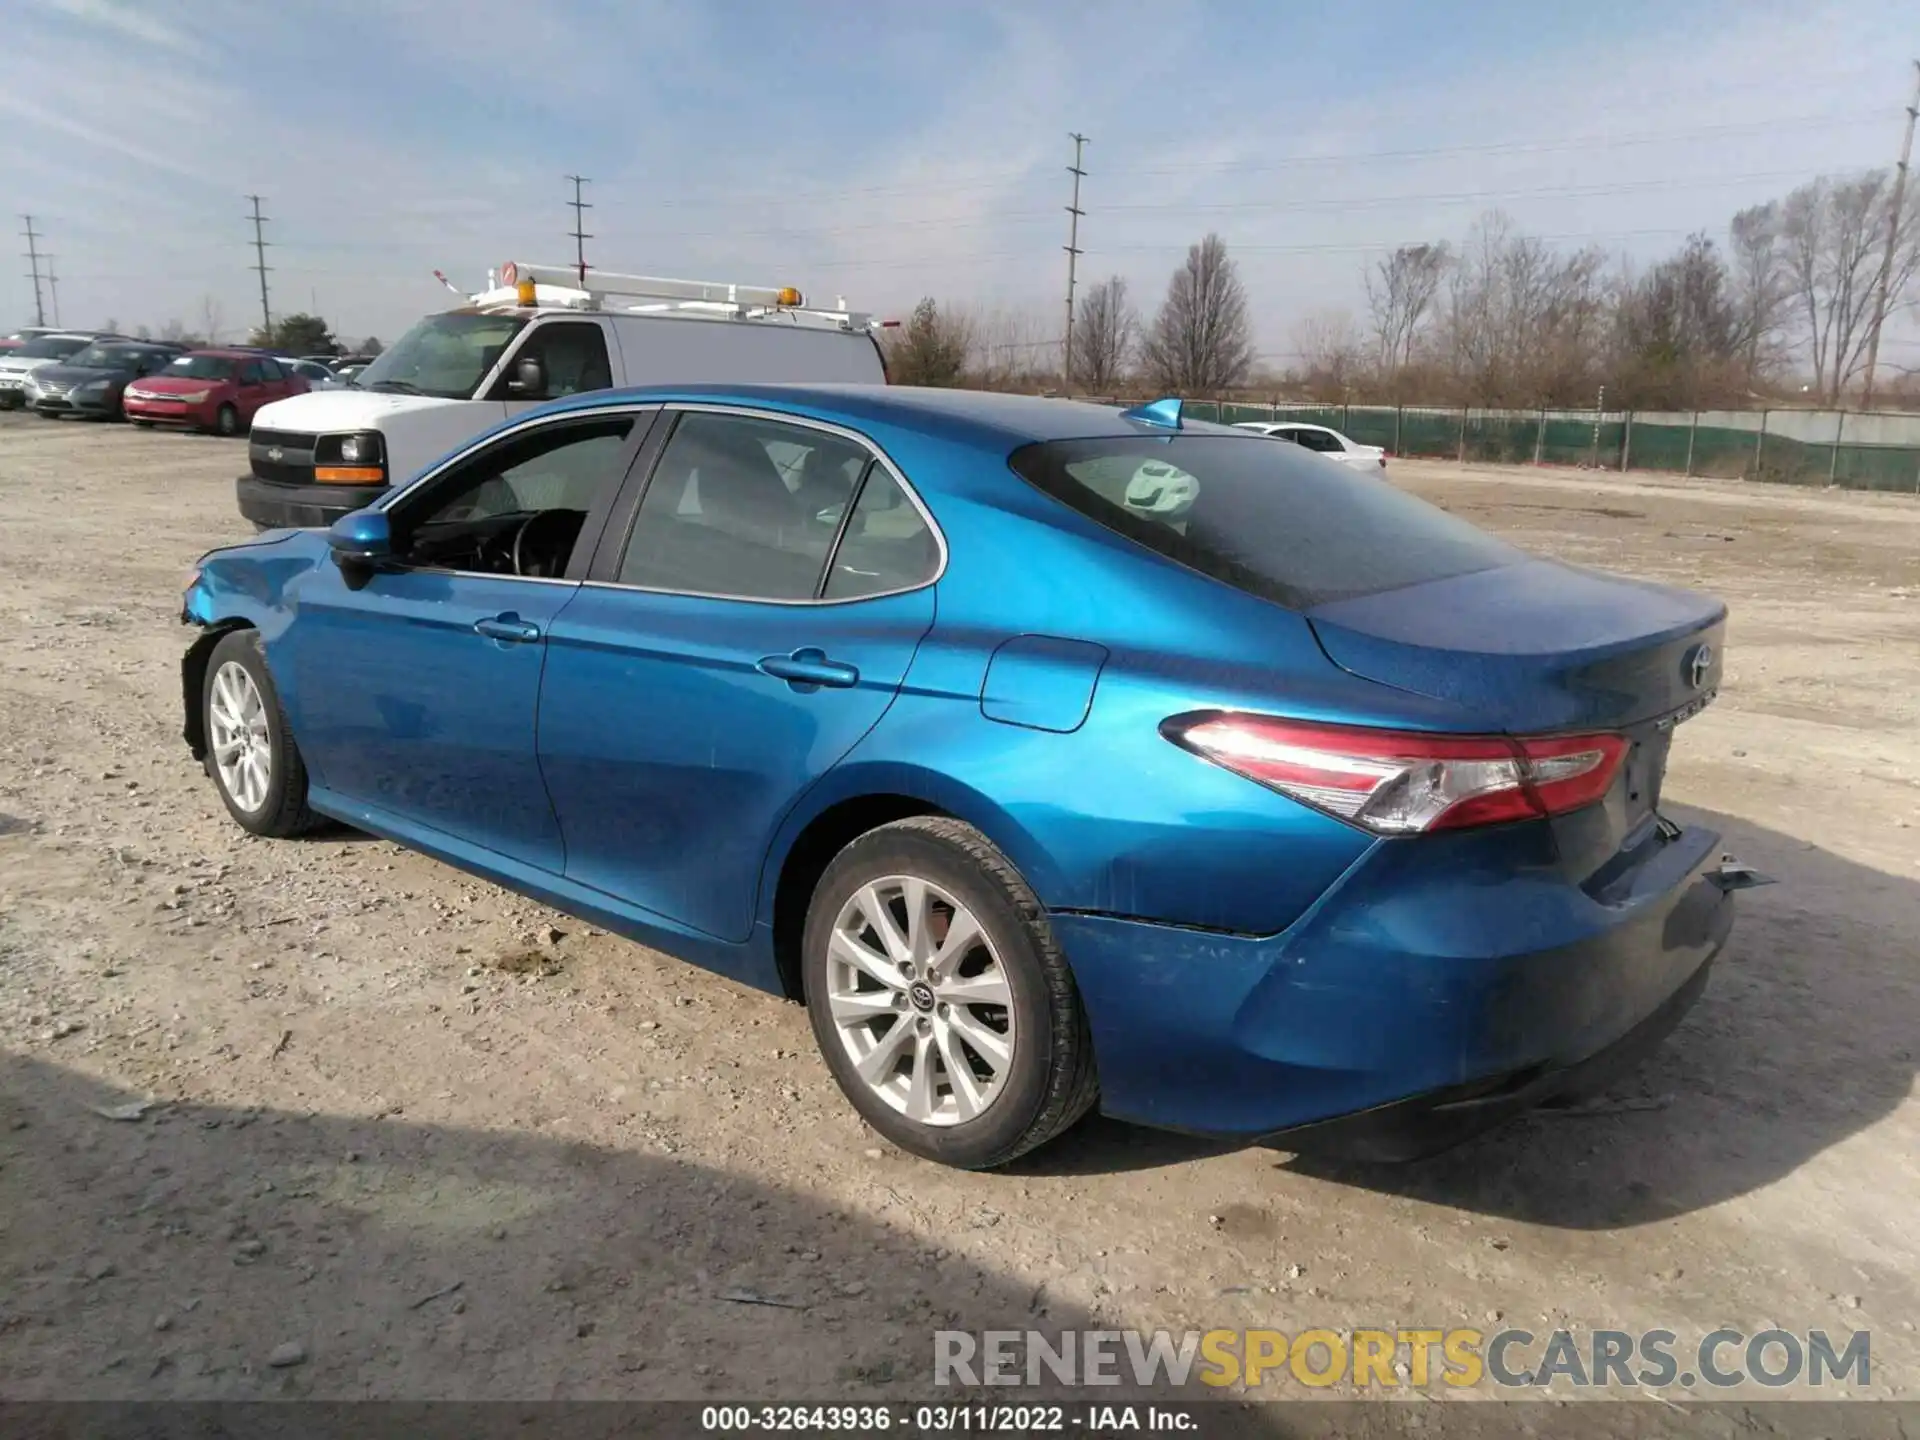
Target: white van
536	334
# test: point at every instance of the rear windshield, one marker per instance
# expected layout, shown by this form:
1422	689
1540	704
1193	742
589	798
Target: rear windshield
202	367
56	347
1268	519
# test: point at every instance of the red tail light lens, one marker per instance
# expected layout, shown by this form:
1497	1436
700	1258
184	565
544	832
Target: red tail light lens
1395	782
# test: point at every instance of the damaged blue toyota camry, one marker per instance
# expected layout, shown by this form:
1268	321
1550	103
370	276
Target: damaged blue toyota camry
1052	756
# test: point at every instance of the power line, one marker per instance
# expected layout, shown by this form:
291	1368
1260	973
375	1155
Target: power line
1893	239
1074	212
260	266
998	179
579	231
33	256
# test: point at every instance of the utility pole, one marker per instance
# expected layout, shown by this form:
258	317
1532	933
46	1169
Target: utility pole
1074	212
1882	298
260	267
53	289
579	231
33	257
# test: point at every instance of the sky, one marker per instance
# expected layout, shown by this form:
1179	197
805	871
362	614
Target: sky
882	150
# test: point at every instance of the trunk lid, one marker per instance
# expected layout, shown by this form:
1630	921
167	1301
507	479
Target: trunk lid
1536	647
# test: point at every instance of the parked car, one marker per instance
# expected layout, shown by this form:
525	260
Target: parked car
90	383
346	374
1321	439
317	376
1252	800
26	333
533	337
217	390
17	365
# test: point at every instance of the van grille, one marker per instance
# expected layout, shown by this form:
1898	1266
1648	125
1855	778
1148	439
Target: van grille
281	457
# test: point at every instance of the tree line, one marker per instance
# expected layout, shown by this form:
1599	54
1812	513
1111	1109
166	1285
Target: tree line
1780	306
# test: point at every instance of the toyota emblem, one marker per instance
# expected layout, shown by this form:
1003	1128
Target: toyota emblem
1699	665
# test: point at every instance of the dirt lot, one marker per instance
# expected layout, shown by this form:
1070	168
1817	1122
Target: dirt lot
398	1126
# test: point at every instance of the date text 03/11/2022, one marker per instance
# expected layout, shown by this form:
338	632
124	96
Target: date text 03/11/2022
1105	1419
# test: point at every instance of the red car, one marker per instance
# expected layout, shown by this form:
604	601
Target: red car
215	390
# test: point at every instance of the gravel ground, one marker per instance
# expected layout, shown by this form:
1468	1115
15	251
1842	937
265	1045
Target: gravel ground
406	1135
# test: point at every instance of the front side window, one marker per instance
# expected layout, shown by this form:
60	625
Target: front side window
250	372
572	353
1260	517
444	355
1324	441
743	507
517	508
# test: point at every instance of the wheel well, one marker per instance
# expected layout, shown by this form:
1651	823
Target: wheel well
193	680
829	832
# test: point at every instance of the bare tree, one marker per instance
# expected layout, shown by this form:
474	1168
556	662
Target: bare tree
1202	340
1831	233
1522	324
1105	332
1678	331
212	319
1009	349
932	348
1400	294
1759	284
1331	350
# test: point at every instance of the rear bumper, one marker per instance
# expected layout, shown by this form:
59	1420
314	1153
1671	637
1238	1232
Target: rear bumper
1440	986
277	506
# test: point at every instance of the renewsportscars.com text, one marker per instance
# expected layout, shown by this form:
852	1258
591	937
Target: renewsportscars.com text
1402	1358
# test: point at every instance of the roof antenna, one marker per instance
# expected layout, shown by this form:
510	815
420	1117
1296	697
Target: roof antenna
449	284
1161	414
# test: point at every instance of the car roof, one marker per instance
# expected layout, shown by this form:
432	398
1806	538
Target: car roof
225	352
990	420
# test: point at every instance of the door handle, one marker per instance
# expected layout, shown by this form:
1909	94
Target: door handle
808	667
509	627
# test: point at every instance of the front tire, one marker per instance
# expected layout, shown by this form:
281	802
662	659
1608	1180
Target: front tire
226	421
251	756
940	999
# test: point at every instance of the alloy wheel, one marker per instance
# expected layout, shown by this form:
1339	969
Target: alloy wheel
242	745
920	1000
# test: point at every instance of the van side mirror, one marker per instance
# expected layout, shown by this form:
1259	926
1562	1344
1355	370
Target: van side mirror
362	539
529	379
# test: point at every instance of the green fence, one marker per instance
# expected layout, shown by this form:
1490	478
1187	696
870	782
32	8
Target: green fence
1860	451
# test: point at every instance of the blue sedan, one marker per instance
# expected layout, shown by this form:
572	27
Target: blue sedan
1052	756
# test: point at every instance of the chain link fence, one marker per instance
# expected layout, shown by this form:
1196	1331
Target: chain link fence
1860	451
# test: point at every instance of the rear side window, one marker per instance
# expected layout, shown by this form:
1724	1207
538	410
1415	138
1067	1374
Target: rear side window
887	544
1260	516
742	507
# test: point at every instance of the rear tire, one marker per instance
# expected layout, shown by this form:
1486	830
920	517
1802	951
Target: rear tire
251	756
141	424
226	421
970	1056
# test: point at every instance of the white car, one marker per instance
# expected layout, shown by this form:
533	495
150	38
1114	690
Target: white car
1328	442
317	376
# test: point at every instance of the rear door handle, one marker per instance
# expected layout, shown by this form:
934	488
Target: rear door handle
808	667
510	628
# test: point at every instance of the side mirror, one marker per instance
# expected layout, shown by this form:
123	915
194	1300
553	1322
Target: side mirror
364	538
529	378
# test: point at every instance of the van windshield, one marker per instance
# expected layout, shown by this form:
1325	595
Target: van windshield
444	355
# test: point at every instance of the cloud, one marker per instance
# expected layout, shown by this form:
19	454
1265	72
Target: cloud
889	152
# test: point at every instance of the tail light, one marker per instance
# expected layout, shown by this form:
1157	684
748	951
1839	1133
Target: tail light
1395	782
